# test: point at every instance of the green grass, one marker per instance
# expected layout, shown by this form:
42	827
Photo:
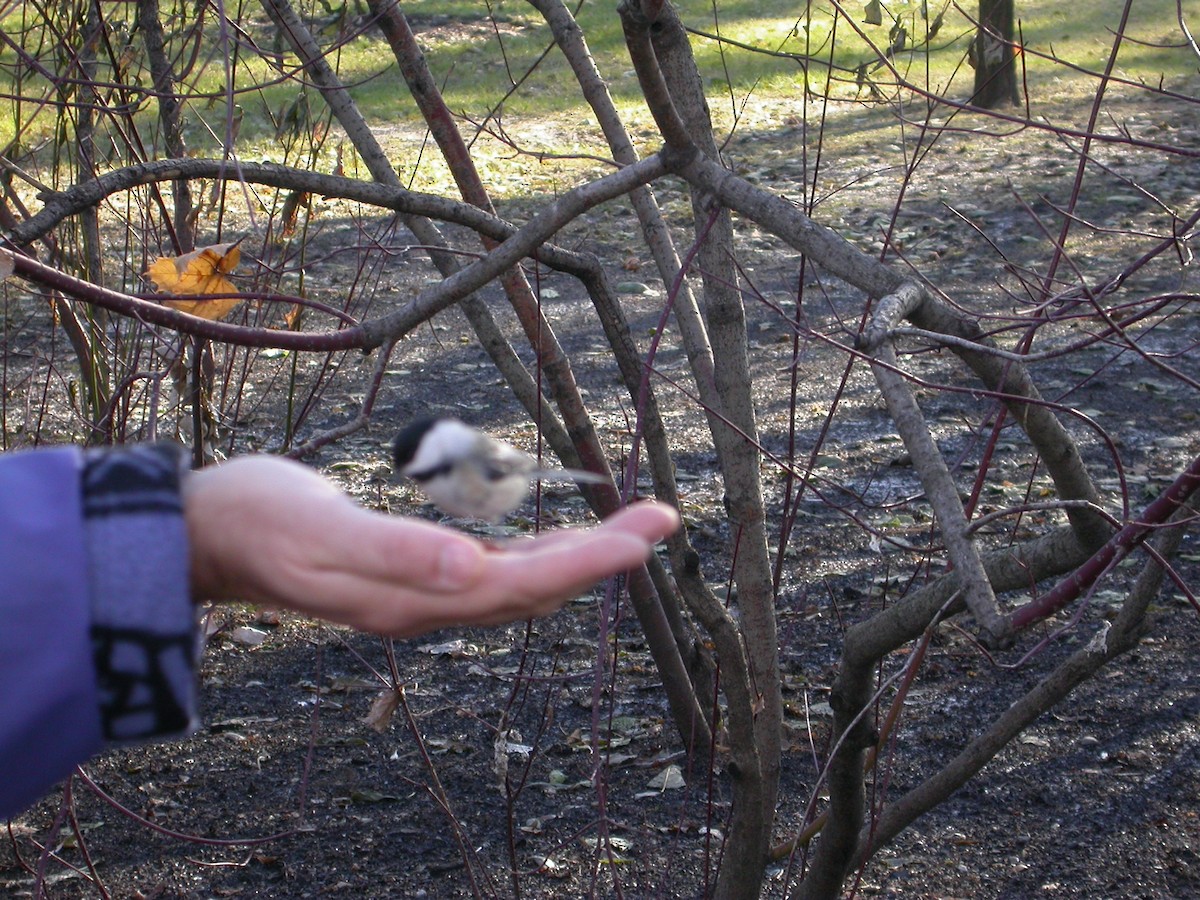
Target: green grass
470	64
476	57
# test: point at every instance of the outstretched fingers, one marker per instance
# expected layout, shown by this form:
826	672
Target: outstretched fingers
520	579
536	578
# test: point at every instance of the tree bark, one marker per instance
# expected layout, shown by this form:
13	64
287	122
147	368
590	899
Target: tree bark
994	56
668	74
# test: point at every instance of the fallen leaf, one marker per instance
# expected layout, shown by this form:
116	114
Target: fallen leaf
269	617
458	649
500	761
632	287
669	779
250	637
383	707
369	795
610	842
553	868
619	759
449	745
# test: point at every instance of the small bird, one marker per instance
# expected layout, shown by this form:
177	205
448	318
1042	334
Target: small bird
468	474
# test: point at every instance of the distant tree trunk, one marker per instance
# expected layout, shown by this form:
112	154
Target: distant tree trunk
993	56
170	117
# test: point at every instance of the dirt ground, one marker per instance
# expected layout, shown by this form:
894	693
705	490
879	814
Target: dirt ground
286	793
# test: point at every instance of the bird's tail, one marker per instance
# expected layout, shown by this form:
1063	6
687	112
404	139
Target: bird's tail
577	475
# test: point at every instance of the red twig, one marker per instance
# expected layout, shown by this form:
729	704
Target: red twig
1117	548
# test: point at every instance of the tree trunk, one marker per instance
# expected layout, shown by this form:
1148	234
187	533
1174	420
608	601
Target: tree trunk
994	57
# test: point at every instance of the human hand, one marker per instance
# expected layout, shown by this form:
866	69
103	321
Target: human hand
267	530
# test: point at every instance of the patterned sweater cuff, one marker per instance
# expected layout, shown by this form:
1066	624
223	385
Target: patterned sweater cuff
143	630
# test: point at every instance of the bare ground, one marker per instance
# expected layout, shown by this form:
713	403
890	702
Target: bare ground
286	793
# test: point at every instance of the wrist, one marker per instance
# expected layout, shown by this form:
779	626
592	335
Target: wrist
205	517
142	622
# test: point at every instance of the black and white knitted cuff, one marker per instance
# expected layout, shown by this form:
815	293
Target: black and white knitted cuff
143	621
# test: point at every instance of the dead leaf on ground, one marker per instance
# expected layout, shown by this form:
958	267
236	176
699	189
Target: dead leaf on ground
247	636
669	779
383	707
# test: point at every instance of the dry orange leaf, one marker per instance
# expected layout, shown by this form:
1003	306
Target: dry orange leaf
383	707
202	271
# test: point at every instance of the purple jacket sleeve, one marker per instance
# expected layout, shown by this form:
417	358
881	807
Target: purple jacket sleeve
97	629
49	703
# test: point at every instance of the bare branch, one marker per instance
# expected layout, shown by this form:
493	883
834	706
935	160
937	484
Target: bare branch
1108	642
941	491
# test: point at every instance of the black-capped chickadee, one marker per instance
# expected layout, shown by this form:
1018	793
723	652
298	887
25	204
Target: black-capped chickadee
468	474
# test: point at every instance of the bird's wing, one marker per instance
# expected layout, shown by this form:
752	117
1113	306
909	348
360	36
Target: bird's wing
568	475
506	461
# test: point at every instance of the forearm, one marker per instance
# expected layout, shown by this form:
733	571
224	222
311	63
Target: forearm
50	717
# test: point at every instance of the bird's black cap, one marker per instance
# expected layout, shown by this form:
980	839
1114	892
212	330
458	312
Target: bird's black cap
404	447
